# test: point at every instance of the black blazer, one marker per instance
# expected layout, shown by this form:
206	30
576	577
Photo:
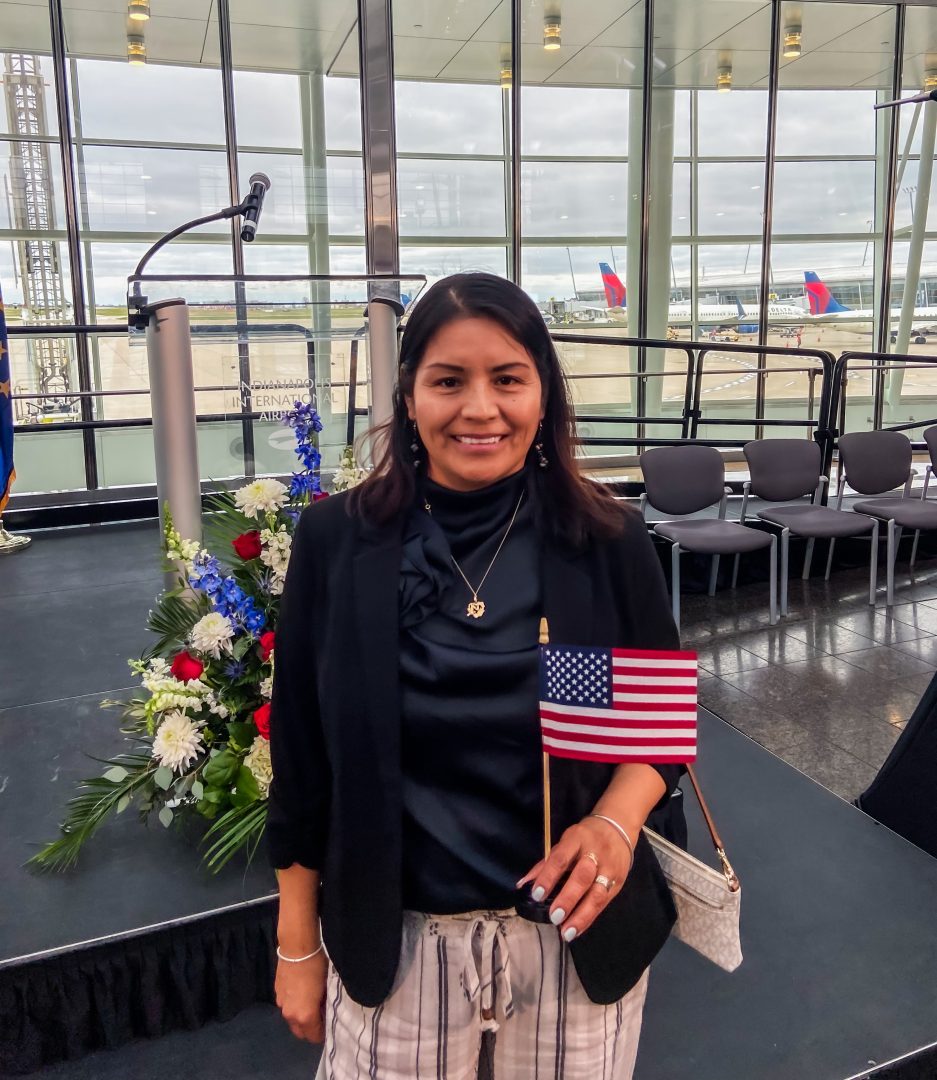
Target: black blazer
335	801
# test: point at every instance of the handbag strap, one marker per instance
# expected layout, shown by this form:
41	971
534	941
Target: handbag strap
731	877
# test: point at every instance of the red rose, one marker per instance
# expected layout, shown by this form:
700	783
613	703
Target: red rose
317	496
247	545
262	720
266	645
185	667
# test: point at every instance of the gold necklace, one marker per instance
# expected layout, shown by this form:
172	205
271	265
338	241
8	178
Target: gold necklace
476	607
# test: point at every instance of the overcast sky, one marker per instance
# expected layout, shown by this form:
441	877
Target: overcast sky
583	204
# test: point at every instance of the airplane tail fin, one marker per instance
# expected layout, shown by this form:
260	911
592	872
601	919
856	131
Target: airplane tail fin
615	293
821	300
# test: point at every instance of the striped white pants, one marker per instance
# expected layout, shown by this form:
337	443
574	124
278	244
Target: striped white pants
461	976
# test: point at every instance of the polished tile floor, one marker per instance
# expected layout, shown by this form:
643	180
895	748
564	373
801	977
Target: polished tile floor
831	686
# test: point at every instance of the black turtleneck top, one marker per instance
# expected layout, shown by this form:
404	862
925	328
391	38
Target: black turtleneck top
472	798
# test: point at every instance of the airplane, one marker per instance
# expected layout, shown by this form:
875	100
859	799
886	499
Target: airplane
825	308
709	316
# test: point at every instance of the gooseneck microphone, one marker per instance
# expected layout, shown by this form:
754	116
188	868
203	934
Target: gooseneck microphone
928	95
252	205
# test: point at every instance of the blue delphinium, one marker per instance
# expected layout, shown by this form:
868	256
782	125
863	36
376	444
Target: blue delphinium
206	574
226	595
306	423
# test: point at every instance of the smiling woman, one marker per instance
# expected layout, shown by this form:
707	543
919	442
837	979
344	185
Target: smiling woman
405	740
477	363
476	404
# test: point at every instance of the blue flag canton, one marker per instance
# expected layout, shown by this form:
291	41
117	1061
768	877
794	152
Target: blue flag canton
576	676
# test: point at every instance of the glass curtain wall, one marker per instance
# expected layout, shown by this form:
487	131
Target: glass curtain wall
35	267
581	104
452	96
910	392
704	253
150	149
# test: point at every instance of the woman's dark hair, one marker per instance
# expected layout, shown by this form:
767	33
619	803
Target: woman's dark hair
566	505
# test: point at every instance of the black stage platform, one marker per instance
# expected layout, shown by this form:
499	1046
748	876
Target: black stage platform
839	934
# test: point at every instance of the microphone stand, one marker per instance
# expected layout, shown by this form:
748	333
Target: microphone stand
172	392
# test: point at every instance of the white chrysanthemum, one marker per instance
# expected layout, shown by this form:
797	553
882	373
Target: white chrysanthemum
266	688
261	497
258	761
212	634
178	742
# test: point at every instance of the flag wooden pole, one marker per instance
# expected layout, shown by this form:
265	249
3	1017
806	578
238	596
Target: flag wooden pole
545	640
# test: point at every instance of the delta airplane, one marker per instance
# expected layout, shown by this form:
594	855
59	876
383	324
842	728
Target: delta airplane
743	319
825	308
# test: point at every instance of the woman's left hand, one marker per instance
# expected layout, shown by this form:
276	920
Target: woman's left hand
582	898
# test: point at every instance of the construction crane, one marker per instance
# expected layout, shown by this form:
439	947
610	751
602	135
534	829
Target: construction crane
32	212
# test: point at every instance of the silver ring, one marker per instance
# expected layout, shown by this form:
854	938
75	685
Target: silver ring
593	858
606	883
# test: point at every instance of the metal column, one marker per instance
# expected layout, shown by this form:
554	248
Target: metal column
376	54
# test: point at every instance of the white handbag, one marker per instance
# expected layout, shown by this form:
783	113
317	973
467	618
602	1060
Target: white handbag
708	901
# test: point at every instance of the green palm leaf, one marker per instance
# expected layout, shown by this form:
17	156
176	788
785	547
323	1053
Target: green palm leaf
96	799
173	618
241	827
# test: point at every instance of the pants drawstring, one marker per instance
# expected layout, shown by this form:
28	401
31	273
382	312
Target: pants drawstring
487	966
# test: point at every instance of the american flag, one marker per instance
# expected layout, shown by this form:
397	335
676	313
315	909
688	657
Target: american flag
618	704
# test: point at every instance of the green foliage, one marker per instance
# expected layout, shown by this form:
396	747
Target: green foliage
173	618
246	790
240	827
219	770
241	735
96	799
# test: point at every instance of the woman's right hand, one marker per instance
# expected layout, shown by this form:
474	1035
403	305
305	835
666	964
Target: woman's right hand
300	994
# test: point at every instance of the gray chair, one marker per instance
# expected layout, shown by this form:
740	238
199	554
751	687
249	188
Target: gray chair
782	470
874	462
684	480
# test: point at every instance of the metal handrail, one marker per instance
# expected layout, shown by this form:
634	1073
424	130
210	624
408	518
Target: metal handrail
878	363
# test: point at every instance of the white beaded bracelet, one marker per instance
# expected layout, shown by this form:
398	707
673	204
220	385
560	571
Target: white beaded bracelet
298	959
621	832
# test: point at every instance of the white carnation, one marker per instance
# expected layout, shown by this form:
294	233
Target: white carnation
258	761
178	742
261	497
212	634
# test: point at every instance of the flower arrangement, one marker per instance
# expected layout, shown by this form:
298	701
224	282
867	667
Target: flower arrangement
201	727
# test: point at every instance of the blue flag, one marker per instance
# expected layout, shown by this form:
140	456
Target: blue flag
7	474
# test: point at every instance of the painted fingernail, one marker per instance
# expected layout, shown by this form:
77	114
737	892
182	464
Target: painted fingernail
557	916
539	893
569	933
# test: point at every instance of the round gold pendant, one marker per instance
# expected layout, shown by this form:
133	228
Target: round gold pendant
476	609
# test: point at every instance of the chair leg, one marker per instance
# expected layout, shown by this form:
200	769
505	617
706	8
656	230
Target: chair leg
873	564
713	574
829	559
891	550
735	570
773	596
785	555
917	536
675	583
808	558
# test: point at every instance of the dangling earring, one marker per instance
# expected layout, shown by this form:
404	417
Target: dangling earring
415	446
538	446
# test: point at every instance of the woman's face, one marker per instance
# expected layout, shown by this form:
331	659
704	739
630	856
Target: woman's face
477	403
